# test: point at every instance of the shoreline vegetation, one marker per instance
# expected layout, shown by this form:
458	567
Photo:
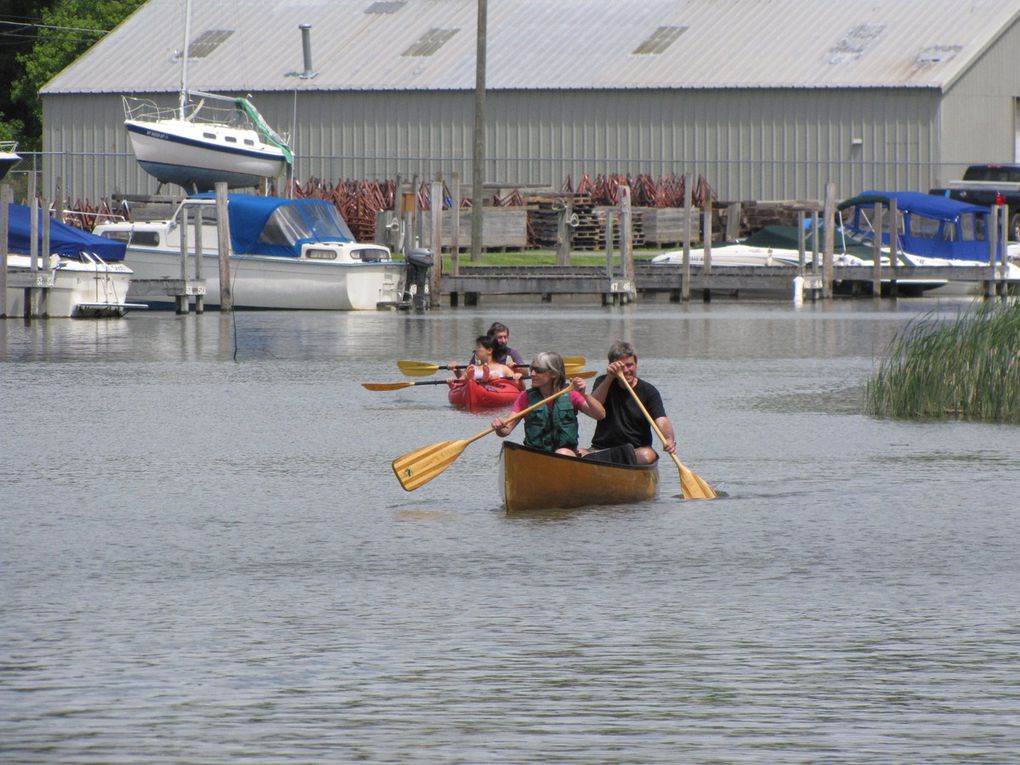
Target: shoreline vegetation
967	368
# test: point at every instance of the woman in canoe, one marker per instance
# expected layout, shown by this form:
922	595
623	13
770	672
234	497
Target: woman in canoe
553	427
487	368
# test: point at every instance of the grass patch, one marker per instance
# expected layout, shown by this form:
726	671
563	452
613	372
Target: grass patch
966	368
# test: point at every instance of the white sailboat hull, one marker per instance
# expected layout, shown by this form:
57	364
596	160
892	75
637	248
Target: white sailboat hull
197	155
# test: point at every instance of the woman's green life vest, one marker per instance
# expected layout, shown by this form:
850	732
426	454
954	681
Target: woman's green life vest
550	430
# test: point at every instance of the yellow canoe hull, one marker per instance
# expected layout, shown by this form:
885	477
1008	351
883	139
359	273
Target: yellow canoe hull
532	479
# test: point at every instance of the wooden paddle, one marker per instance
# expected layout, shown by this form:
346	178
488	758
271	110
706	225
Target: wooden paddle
692	485
422	465
587	375
424	369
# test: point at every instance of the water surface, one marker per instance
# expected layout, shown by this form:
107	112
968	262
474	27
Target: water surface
204	556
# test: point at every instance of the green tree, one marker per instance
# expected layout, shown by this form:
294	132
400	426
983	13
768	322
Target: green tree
70	28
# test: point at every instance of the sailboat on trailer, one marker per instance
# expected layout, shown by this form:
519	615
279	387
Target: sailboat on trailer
198	143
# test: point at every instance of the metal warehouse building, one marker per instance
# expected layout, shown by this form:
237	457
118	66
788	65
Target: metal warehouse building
768	99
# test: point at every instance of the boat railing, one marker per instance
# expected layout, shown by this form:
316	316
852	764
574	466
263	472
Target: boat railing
209	109
8	147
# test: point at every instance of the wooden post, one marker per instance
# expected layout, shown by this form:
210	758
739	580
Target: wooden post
6	195
1004	240
733	213
993	250
223	243
58	201
894	246
455	225
436	202
564	234
626	235
876	253
829	227
610	217
181	300
478	144
706	236
199	255
801	242
685	270
814	242
33	248
47	265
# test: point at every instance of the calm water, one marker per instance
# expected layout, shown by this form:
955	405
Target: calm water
206	559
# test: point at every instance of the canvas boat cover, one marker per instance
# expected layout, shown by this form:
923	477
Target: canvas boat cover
279	227
66	241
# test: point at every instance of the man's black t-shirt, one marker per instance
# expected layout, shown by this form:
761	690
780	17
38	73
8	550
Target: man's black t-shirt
624	422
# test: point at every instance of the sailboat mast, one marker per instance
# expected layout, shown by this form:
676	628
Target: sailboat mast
184	57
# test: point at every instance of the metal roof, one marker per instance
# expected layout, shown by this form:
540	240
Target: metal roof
545	44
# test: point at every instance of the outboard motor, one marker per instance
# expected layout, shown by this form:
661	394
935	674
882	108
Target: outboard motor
419	264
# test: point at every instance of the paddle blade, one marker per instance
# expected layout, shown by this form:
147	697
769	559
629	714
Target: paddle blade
574	361
419	467
417	368
386	386
692	485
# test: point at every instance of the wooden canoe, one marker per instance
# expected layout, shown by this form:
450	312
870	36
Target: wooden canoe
532	479
494	394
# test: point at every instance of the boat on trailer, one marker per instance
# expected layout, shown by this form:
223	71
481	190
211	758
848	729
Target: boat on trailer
284	254
490	394
81	276
533	479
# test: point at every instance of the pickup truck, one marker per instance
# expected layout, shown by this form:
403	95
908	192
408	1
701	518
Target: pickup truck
987	185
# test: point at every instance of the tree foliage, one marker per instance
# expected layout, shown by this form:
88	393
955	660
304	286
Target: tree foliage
80	24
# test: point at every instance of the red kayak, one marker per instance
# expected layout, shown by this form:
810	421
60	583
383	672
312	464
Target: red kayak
491	394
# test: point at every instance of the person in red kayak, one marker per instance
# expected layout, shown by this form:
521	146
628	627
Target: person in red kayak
483	366
502	353
553	427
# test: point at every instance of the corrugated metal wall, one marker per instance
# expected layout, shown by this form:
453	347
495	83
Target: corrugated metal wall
753	144
978	117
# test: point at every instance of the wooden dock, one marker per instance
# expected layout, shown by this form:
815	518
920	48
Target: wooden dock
548	281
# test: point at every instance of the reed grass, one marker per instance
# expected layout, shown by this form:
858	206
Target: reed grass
966	368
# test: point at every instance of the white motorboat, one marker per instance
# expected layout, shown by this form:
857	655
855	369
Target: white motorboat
284	253
9	157
199	144
780	246
82	275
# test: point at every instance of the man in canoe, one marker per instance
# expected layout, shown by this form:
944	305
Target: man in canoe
553	427
625	424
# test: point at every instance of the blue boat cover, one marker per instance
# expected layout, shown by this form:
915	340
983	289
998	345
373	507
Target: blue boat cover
933	205
65	240
931	225
277	226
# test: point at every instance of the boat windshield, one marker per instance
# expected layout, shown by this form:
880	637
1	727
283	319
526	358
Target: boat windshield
289	225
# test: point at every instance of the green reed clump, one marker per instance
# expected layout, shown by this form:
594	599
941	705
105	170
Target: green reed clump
968	368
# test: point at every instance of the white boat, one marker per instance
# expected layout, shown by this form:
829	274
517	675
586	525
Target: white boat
779	246
284	253
196	145
200	143
82	276
9	157
933	231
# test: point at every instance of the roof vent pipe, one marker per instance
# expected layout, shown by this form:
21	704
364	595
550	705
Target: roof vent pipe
306	49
